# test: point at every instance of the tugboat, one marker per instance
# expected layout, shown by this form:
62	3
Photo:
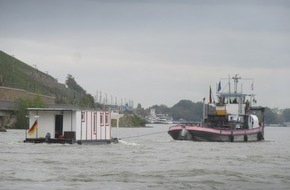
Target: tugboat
234	117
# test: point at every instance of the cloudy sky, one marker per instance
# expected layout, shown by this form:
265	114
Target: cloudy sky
154	51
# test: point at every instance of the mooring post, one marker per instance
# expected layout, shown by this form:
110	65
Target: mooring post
118	126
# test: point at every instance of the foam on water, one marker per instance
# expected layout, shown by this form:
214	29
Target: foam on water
128	143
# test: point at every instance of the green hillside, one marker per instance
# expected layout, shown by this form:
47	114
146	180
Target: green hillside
17	74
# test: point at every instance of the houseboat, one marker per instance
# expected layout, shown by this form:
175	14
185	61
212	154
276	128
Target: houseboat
62	125
234	117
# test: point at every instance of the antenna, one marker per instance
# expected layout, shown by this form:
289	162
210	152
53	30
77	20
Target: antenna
236	80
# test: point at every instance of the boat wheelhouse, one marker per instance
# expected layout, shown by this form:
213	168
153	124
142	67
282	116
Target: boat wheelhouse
233	117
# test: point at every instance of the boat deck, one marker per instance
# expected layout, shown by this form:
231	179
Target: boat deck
69	141
52	141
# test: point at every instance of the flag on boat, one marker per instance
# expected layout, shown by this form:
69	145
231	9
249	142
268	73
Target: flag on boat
219	86
33	128
252	86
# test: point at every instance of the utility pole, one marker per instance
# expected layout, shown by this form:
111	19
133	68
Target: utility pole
13	70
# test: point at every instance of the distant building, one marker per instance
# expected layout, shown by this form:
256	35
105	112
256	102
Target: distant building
158	118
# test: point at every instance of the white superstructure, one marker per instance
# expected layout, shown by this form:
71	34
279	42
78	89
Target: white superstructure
81	125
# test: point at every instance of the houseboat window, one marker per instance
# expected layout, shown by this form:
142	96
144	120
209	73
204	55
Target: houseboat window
83	116
101	119
95	122
107	119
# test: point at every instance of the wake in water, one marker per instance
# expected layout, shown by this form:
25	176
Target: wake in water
128	143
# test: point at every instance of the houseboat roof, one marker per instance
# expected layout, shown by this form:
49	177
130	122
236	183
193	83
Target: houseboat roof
51	109
56	107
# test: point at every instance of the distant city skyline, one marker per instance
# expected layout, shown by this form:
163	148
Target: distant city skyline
155	51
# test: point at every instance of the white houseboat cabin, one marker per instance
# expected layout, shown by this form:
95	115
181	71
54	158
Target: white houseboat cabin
60	125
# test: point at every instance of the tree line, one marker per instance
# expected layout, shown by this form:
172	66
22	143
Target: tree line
192	112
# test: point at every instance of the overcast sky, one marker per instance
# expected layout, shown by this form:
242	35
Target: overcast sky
154	51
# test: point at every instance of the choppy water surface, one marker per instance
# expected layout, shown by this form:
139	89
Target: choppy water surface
146	162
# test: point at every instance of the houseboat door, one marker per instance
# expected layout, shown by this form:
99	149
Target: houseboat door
58	125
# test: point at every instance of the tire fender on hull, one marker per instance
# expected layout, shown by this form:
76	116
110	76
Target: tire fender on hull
246	138
231	138
260	136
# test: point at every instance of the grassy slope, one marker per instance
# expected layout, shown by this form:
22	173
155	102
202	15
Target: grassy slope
17	74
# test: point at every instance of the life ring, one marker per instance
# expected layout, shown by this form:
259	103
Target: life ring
245	138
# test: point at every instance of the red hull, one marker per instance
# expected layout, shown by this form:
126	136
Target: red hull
203	133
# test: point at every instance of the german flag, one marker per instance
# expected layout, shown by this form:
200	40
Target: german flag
33	128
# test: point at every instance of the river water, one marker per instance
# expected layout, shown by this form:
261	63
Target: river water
146	158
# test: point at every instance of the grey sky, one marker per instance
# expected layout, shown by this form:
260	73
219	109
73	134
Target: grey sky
154	51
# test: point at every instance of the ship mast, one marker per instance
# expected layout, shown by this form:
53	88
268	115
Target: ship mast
236	80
